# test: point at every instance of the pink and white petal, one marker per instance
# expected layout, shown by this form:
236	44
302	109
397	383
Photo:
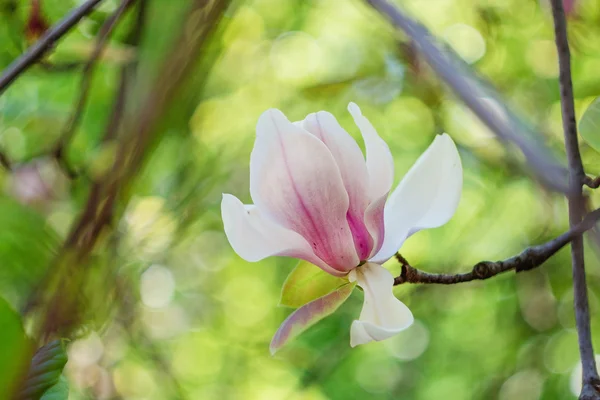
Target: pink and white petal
294	179
254	237
308	315
351	163
427	197
380	163
383	315
374	221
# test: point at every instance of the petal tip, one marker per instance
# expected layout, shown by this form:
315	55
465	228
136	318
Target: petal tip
446	139
354	109
270	116
358	334
272	350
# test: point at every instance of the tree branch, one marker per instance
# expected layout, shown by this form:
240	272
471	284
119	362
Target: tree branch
86	81
590	379
467	86
593	183
127	76
60	312
45	43
4	161
530	258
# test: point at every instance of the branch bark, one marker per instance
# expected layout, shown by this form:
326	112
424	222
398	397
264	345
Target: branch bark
505	124
45	43
60	312
590	380
539	158
4	161
86	81
593	183
530	258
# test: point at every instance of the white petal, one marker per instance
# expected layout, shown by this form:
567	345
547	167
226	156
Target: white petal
295	180
427	197
380	163
351	163
383	315
254	237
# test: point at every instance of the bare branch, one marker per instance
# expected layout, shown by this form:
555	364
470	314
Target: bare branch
86	81
60	311
128	75
469	88
4	161
593	183
590	379
530	258
45	43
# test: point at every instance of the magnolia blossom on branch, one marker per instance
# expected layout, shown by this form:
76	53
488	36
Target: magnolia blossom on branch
316	198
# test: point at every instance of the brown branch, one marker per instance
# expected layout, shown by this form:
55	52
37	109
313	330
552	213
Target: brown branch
593	183
590	380
60	315
86	81
127	76
112	127
45	43
469	88
530	258
61	67
4	161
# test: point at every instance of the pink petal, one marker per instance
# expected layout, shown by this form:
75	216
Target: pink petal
350	161
374	221
294	179
254	237
380	167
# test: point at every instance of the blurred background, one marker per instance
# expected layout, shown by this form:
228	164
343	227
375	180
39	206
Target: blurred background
168	310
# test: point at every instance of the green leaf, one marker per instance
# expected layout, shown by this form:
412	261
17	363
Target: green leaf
306	283
309	314
60	391
27	246
589	125
14	350
45	369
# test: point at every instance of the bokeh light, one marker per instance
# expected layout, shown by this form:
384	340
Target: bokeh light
170	308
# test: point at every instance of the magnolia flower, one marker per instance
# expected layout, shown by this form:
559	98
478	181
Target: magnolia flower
317	199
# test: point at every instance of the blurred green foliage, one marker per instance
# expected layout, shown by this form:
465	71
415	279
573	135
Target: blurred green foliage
191	319
15	350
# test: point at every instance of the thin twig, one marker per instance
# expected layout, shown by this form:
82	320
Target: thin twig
593	183
576	202
530	258
61	67
86	81
4	161
45	43
128	75
99	210
506	125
